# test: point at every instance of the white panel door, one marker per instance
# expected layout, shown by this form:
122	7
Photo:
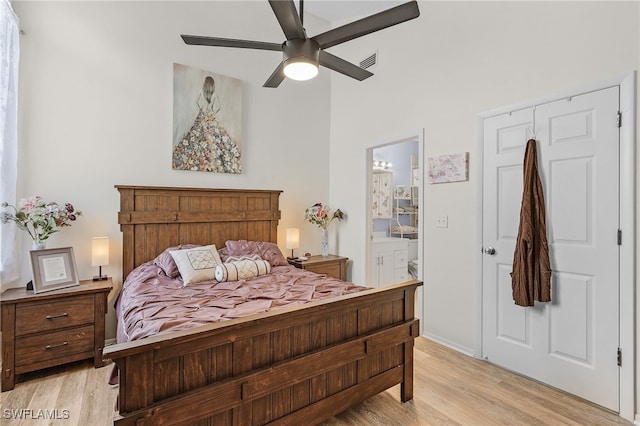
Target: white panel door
570	343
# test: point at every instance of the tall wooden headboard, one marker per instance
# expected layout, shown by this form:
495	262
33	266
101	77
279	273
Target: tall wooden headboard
154	218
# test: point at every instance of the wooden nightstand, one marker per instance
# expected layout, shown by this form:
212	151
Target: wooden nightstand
334	266
46	329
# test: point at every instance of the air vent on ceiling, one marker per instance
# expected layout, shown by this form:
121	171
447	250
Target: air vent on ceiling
369	61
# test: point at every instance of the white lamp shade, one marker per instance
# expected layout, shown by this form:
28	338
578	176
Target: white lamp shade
293	238
99	251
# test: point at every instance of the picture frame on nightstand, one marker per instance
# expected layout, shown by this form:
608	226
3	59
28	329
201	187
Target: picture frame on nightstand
53	269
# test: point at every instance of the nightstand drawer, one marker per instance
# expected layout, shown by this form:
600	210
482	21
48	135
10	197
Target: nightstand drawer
331	265
331	269
43	347
54	315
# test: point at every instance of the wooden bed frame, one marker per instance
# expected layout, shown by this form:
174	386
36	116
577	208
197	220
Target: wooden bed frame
297	365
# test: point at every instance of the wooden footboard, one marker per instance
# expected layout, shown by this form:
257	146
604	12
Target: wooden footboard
295	366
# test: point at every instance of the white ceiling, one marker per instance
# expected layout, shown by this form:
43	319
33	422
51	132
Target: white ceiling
342	12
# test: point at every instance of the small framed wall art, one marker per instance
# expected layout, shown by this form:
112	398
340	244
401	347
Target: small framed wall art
449	168
53	269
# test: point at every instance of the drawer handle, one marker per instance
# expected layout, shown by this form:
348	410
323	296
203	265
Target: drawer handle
66	314
56	346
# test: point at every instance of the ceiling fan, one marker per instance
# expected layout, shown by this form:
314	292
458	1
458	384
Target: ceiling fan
303	54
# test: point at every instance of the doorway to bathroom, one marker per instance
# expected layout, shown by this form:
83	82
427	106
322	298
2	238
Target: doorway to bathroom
395	209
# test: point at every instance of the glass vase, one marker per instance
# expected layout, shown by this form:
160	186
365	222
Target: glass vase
38	245
325	242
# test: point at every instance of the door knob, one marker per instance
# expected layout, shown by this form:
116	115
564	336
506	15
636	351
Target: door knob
490	250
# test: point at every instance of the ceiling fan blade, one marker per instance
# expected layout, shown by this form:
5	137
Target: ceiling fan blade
287	16
340	65
368	25
230	42
276	77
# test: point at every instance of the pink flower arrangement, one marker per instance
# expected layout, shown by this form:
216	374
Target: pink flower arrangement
38	218
319	214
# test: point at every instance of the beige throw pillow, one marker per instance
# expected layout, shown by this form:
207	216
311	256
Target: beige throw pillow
197	264
241	269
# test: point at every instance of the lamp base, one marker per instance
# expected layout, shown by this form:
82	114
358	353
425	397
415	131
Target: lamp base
100	277
292	257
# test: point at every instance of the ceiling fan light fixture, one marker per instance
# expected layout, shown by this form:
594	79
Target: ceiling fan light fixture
300	59
300	69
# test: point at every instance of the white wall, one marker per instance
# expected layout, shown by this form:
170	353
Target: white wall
438	72
95	110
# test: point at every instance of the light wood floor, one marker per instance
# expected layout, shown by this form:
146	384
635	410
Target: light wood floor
450	389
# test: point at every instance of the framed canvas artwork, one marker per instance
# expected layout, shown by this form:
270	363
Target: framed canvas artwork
207	121
449	168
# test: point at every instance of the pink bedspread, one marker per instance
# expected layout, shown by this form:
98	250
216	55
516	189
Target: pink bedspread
151	303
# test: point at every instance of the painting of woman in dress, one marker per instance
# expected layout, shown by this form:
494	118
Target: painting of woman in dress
206	121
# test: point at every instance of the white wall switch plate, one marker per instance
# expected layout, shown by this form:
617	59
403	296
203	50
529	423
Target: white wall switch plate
442	221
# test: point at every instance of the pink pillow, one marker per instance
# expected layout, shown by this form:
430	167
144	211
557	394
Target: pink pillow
267	251
224	253
167	264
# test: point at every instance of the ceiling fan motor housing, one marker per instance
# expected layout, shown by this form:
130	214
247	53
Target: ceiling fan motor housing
298	50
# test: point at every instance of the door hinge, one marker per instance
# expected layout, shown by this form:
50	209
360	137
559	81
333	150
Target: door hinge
619	357
619	119
619	237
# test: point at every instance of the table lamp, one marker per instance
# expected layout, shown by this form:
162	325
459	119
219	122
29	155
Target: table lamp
293	239
100	255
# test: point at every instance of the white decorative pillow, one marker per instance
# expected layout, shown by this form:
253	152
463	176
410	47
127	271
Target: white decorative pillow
197	264
241	269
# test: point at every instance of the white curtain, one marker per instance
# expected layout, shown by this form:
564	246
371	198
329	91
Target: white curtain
9	55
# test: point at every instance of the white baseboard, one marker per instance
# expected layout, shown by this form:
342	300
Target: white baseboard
449	344
637	421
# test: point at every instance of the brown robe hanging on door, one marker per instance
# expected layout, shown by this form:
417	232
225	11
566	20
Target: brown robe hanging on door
531	276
